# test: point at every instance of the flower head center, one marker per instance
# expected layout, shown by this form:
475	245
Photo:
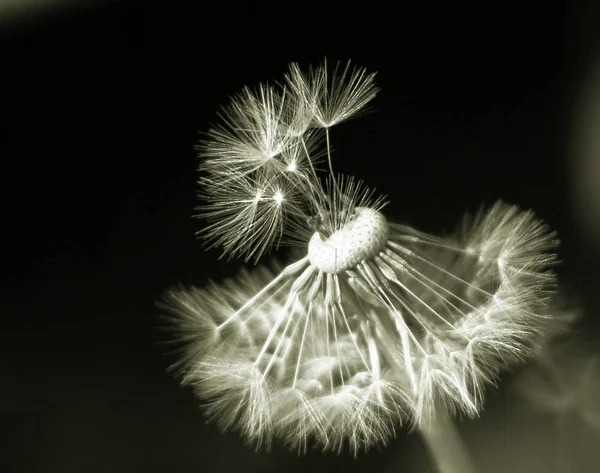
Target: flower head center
360	238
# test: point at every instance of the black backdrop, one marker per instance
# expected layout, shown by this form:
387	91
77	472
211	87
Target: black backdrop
101	109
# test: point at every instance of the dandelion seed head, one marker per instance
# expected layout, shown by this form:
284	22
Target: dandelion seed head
377	324
401	323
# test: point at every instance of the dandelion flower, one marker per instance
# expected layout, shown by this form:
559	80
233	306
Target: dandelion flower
376	324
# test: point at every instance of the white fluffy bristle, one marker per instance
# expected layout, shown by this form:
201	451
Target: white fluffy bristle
363	237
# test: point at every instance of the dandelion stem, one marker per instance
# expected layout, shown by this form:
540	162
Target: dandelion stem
320	193
564	438
333	179
445	445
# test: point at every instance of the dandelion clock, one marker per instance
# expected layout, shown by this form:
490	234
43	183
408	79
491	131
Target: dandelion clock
375	325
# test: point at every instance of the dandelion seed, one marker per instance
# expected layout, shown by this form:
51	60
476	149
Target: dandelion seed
248	215
251	133
332	99
376	324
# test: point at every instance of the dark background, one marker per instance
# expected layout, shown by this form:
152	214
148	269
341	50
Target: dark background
101	108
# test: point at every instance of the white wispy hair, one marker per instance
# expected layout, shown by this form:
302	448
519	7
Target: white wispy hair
252	132
376	323
332	98
272	135
345	357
